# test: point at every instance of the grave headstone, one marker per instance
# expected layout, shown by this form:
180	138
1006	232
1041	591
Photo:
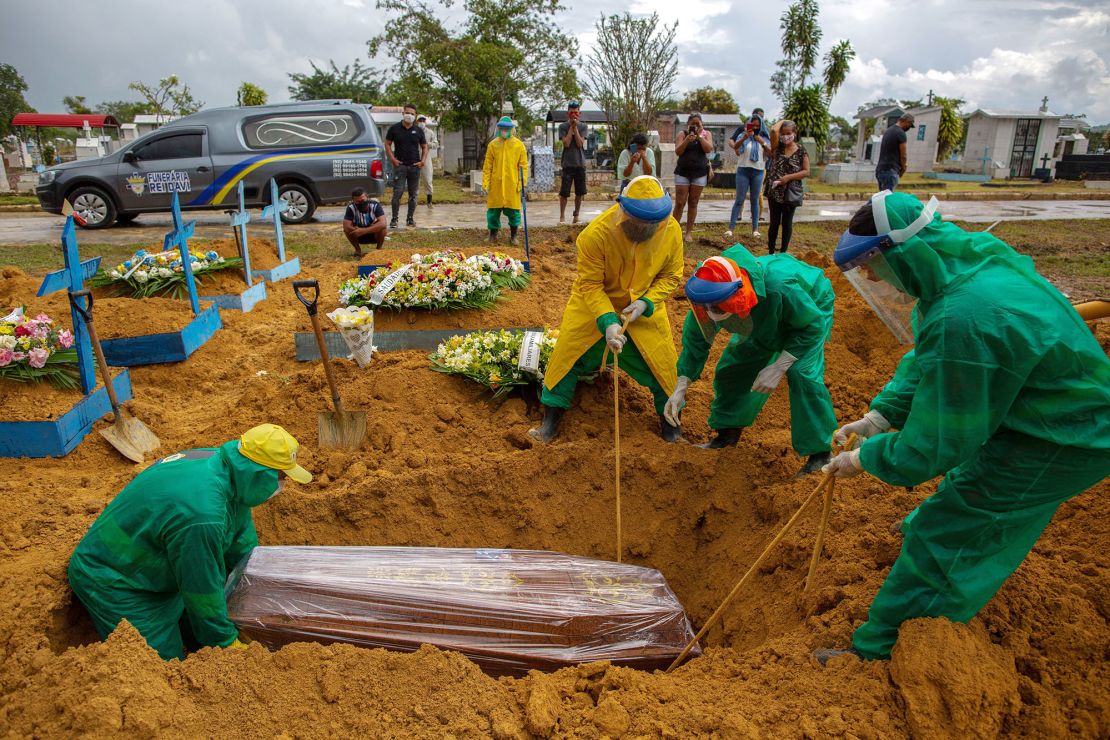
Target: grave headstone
542	176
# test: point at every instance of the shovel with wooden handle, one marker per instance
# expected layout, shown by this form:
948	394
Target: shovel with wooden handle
338	429
131	438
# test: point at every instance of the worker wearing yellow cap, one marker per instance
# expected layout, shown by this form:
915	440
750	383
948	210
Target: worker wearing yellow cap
629	261
159	553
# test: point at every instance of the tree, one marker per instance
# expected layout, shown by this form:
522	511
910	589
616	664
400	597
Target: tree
950	132
800	42
12	87
710	100
631	72
168	97
501	52
837	61
124	111
251	94
355	82
76	104
808	109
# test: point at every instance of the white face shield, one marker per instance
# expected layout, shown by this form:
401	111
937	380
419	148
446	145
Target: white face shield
863	261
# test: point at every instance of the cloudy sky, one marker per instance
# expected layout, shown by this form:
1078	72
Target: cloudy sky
1002	54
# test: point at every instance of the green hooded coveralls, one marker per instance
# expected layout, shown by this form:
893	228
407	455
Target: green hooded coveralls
794	314
1007	394
162	549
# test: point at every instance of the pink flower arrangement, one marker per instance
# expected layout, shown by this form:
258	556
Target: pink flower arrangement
33	349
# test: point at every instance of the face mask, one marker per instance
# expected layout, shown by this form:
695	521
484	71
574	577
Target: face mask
638	231
364	206
716	316
504	133
280	485
787	138
408	118
420	125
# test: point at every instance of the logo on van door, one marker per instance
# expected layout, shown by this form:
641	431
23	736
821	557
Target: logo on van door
174	181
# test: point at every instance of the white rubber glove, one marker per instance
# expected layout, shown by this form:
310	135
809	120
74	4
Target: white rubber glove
634	310
871	424
770	377
673	408
615	338
844	465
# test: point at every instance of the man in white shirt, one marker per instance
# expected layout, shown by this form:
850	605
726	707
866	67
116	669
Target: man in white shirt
636	160
433	149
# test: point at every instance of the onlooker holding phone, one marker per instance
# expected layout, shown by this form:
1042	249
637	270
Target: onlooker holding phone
752	144
573	135
636	160
788	166
691	172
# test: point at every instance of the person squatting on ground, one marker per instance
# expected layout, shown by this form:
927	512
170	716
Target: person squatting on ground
506	163
427	172
789	163
691	170
779	313
1006	393
752	144
407	150
636	160
572	133
364	221
629	261
160	552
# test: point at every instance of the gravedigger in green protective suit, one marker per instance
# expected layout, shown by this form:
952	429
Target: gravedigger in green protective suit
779	312
1006	393
159	553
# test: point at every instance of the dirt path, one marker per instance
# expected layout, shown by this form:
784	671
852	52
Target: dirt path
444	467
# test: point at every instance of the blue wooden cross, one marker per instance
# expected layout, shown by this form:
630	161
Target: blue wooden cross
274	211
239	221
72	278
179	239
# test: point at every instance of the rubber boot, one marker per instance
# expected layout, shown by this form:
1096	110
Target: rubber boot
814	463
824	655
725	438
668	431
512	235
549	429
492	236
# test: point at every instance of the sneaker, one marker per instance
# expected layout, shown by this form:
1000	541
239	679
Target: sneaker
562	221
728	234
755	235
410	224
393	224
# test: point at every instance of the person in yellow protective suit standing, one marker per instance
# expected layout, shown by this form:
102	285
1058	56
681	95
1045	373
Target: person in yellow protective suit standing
504	175
629	261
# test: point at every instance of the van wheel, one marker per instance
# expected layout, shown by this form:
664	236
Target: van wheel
94	205
301	203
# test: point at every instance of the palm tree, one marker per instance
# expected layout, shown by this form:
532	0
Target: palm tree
837	61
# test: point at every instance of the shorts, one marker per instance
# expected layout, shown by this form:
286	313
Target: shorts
699	181
578	174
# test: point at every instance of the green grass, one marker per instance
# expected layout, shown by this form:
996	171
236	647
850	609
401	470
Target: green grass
18	199
447	190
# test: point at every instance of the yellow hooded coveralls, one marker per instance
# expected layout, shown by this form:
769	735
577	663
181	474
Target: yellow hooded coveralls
506	160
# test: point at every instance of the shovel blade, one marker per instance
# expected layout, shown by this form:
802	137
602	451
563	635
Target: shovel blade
117	437
140	435
343	430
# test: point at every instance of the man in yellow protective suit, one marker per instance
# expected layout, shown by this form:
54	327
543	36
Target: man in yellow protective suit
504	175
629	261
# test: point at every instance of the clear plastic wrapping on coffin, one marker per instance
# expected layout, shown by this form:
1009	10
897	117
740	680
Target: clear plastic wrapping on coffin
507	610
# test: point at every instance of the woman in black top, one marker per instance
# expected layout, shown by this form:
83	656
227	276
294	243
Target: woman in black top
691	172
789	162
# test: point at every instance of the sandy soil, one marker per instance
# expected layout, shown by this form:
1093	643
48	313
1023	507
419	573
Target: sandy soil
445	467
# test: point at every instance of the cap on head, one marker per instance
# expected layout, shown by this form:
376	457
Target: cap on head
720	281
505	122
908	117
273	447
645	199
574	105
421	118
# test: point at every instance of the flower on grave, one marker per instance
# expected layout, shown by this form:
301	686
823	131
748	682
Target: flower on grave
37	357
6	356
65	338
164	272
148	260
140	253
22	330
115	274
23	343
211	256
7	341
141	276
127	264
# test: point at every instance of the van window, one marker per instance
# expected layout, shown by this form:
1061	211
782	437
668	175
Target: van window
180	146
306	129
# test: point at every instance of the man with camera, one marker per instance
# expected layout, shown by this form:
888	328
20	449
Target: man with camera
752	144
573	135
364	221
636	160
